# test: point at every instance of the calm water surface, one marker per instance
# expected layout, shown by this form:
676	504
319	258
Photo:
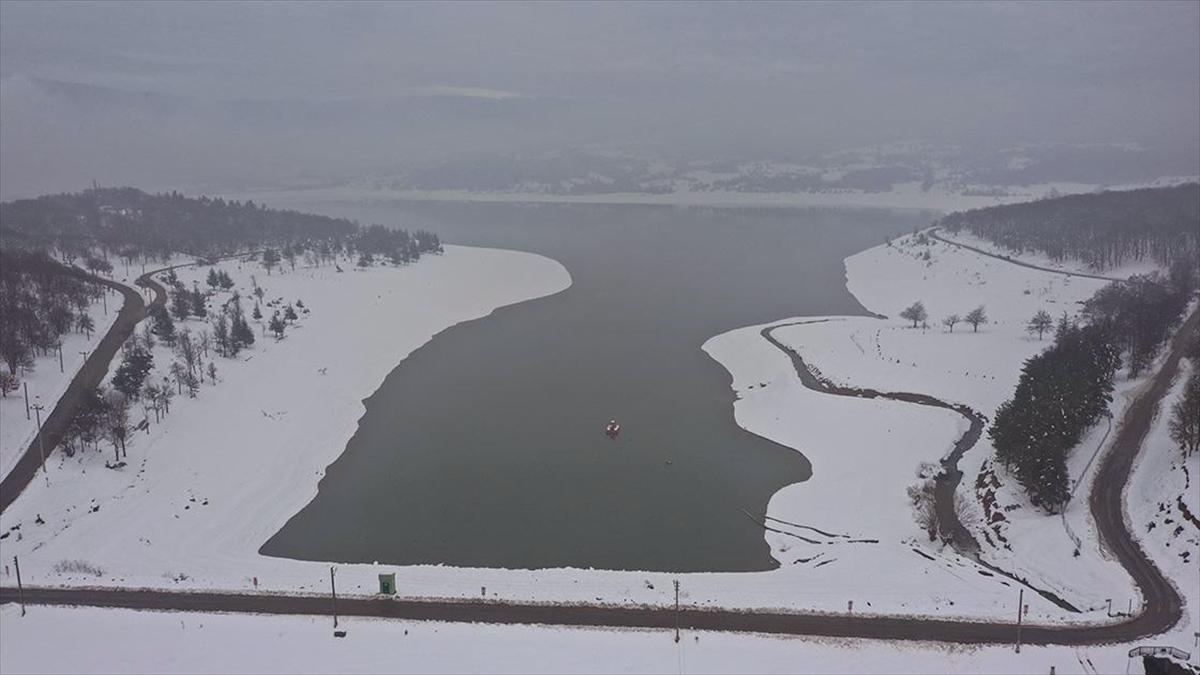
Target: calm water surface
485	447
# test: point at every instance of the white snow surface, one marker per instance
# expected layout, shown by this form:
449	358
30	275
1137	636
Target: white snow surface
173	518
126	641
46	382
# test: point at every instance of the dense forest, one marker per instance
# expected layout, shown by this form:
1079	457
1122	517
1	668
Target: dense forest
1066	389
131	223
1103	229
46	244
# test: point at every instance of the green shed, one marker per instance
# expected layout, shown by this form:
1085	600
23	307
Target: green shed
387	584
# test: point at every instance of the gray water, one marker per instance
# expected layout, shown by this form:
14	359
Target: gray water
485	447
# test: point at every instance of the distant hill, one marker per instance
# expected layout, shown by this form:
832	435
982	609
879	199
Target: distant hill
1103	229
120	218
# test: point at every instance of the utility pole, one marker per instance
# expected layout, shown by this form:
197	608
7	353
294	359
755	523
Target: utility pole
41	441
1020	611
60	360
677	610
26	386
20	589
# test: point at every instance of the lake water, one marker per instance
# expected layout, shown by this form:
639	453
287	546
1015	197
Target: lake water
486	447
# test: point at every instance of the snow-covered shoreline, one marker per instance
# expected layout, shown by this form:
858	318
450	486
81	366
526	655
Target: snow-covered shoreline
149	531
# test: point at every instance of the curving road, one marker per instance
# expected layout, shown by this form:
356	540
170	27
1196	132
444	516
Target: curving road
1162	606
89	376
934	234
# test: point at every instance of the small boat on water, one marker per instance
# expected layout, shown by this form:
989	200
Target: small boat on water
613	429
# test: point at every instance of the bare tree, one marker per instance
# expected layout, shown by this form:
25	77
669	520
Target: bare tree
976	317
915	313
950	321
116	420
1040	323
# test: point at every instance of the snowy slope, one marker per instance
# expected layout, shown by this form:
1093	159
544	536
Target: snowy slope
46	383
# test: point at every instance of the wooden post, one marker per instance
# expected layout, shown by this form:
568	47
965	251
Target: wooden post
26	385
60	359
676	610
20	589
37	407
1020	607
333	593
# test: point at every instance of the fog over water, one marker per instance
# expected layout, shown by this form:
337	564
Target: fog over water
223	96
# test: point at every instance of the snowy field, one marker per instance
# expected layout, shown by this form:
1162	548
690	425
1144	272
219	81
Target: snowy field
174	519
46	382
104	641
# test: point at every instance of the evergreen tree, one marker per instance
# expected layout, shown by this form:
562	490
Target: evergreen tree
240	334
213	280
181	303
1185	415
162	324
198	303
277	326
134	368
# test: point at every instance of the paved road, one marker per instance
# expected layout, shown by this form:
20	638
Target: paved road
933	233
1162	603
88	377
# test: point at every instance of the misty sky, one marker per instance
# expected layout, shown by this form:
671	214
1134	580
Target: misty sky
695	77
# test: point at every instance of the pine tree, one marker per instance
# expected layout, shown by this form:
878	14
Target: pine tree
277	326
213	280
181	303
198	303
1185	415
134	368
163	326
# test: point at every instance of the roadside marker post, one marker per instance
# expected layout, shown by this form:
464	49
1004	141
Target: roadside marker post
20	589
676	610
1020	606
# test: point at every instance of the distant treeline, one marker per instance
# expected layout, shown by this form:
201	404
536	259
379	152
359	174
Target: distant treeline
1103	229
1066	389
132	223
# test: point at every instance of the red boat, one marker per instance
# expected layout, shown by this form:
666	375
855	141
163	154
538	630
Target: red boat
613	429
